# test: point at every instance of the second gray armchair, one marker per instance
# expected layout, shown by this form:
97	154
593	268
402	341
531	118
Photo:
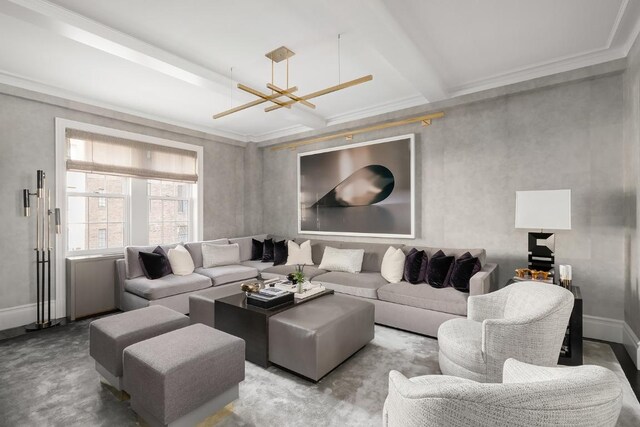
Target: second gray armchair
529	396
526	321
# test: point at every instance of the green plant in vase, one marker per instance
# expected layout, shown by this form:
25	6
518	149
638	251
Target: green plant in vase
298	277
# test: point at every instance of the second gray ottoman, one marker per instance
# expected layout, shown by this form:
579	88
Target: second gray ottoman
182	377
317	336
109	336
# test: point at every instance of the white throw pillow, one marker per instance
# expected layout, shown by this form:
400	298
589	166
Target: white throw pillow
347	260
180	260
299	254
216	255
393	265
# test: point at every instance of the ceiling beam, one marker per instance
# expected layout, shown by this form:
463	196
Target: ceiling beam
93	34
377	27
78	28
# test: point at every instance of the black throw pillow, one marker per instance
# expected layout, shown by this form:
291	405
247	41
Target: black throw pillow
280	252
439	269
154	264
167	265
267	250
256	250
415	266
463	268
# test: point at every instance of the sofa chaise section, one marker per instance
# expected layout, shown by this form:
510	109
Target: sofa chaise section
166	286
136	291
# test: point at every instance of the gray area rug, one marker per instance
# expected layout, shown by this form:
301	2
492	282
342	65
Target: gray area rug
48	379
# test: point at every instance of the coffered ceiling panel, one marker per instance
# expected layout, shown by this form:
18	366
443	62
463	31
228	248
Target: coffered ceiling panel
179	62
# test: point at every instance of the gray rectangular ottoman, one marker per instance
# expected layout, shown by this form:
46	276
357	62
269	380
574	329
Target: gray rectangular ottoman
314	338
109	336
182	377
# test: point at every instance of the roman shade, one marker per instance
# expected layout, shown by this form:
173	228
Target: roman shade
91	152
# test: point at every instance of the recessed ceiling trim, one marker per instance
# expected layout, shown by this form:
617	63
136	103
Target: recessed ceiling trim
39	87
373	22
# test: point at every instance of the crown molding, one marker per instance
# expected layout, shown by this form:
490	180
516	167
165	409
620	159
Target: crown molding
544	69
60	95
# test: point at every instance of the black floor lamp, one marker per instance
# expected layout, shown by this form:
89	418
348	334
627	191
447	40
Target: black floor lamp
45	235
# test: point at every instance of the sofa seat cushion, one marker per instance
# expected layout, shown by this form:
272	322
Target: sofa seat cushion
257	264
460	340
228	273
446	300
310	271
166	286
364	284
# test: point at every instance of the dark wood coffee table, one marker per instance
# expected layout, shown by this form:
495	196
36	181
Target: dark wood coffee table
234	316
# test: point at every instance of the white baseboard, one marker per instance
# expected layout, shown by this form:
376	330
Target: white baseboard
21	315
602	328
632	344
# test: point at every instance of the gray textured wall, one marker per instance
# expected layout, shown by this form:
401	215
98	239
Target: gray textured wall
631	90
27	144
470	163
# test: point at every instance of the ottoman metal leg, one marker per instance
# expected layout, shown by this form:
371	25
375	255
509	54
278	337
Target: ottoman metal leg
194	417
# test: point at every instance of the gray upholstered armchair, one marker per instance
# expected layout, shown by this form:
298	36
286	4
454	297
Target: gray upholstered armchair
526	321
529	396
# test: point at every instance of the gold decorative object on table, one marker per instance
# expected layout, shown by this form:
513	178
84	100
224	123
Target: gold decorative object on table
539	275
250	287
529	274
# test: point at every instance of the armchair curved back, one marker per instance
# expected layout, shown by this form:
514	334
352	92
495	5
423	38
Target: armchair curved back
534	300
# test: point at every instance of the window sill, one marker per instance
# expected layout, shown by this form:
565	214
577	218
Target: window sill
114	255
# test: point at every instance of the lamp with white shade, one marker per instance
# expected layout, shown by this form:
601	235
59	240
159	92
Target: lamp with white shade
543	210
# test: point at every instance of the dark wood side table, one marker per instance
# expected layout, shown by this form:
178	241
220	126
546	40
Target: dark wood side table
571	350
234	316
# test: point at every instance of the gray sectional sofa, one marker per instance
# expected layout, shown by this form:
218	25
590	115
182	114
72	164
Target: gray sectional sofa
417	308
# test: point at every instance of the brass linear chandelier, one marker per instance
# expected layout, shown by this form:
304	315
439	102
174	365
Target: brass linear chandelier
283	54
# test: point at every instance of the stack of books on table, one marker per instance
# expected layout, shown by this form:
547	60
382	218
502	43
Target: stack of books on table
269	298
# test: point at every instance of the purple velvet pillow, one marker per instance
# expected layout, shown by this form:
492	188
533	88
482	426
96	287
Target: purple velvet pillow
155	264
280	252
439	269
267	250
463	268
415	266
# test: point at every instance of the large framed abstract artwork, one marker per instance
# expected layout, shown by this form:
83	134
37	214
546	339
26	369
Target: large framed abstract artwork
364	189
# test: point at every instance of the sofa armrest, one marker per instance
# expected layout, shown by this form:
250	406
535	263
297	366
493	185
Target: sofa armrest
121	274
485	280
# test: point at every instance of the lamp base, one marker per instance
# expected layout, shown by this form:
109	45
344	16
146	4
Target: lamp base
541	251
42	325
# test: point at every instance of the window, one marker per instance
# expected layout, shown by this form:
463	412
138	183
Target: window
168	211
123	192
96	211
102	238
